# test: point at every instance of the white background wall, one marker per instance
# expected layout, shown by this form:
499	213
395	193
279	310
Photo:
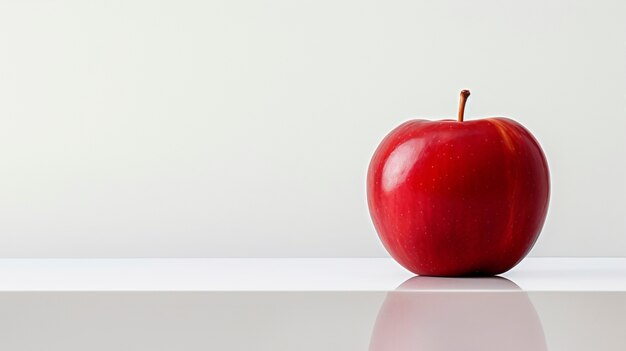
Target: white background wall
244	128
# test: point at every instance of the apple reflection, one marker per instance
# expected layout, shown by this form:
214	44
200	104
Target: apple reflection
428	313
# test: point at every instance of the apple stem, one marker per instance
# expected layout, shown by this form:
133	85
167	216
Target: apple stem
464	95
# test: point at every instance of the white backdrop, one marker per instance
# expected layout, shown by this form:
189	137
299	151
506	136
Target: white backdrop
244	128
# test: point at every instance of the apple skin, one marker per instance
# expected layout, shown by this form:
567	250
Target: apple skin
452	198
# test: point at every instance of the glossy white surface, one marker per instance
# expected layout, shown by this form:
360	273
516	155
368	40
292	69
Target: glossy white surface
297	274
313	321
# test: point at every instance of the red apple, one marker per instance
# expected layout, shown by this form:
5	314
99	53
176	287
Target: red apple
458	198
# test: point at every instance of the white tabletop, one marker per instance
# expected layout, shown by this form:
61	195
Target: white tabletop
292	274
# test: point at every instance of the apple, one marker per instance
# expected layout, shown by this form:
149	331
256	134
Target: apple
428	313
458	198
